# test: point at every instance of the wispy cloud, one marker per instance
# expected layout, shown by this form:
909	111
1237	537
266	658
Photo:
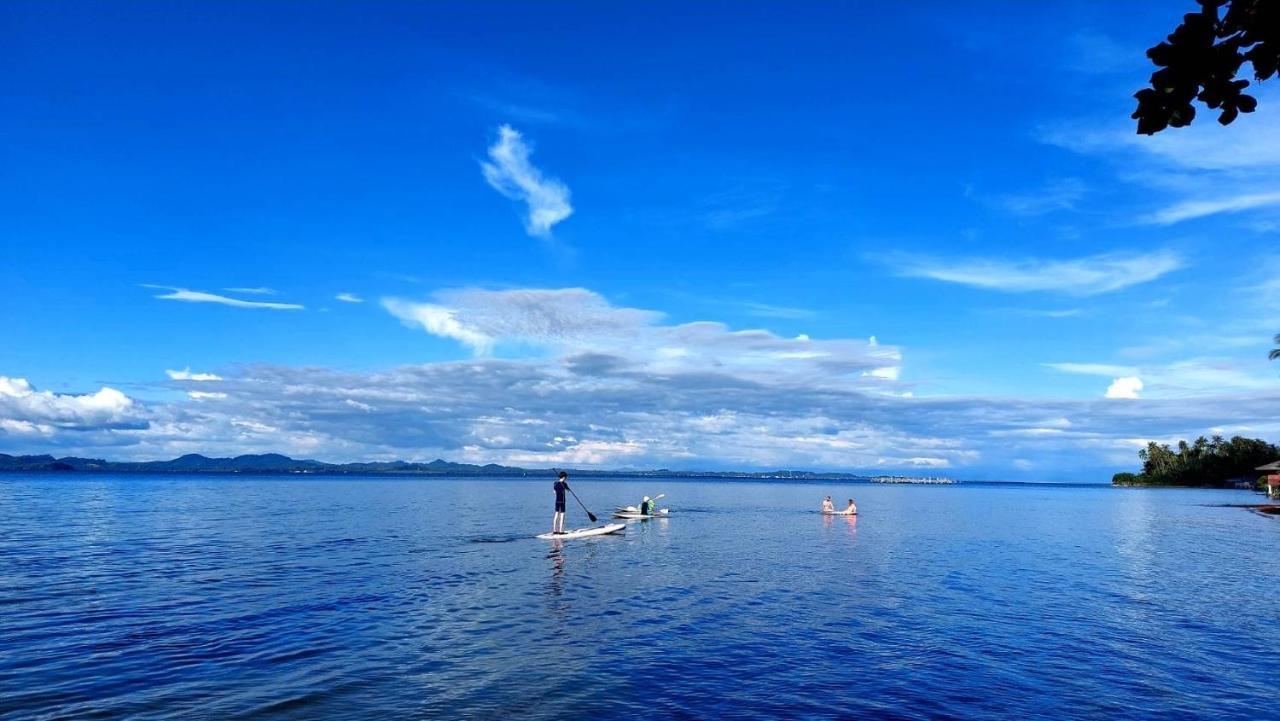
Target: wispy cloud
199	296
186	375
509	172
1094	53
1093	369
252	291
1201	170
1189	209
1250	143
1039	312
348	298
1090	275
768	310
523	113
1062	194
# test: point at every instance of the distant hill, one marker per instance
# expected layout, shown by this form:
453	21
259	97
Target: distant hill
275	463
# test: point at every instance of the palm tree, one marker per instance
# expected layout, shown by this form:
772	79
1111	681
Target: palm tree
1275	352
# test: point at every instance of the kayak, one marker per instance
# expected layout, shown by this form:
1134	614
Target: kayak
838	513
660	513
584	532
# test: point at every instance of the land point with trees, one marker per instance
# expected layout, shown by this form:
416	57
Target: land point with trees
1205	463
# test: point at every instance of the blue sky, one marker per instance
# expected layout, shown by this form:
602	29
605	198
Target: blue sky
625	236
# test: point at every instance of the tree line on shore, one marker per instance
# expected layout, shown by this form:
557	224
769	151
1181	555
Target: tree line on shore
1204	462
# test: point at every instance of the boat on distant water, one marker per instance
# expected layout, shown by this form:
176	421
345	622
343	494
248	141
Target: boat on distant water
936	480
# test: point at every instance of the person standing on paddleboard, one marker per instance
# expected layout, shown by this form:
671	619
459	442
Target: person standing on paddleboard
561	487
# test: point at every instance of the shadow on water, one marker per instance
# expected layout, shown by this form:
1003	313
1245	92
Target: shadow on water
495	539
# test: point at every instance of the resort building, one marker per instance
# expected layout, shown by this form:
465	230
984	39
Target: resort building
1272	478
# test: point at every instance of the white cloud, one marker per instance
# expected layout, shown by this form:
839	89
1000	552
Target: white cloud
205	395
1093	369
198	296
579	322
1190	209
595	384
24	428
509	172
1201	170
766	310
252	291
348	298
26	407
1090	275
1061	194
186	375
440	321
1181	379
1250	143
1039	312
1124	387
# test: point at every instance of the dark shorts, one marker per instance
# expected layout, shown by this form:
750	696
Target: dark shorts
559	506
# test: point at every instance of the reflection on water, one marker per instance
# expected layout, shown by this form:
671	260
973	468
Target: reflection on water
556	555
314	599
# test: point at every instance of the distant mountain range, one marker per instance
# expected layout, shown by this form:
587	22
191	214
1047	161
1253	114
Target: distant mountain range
274	463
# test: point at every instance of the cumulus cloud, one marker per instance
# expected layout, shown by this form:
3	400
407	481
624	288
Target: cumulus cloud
199	296
601	411
25	407
592	384
509	172
1124	387
1090	275
348	298
186	375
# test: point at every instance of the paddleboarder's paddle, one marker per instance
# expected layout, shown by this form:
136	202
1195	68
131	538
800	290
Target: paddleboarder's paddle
590	515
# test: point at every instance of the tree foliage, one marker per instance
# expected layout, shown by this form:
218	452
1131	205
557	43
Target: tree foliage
1201	59
1275	352
1206	462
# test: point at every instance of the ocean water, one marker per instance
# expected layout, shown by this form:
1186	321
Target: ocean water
282	598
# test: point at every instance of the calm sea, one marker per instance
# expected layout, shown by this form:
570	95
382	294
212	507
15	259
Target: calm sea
220	598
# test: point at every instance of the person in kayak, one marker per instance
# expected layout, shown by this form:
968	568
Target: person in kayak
561	486
646	507
828	506
852	510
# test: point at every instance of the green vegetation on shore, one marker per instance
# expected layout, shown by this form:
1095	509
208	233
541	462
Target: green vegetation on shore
1208	462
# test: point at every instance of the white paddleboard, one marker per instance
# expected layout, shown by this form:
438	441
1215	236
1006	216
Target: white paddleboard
584	532
838	513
